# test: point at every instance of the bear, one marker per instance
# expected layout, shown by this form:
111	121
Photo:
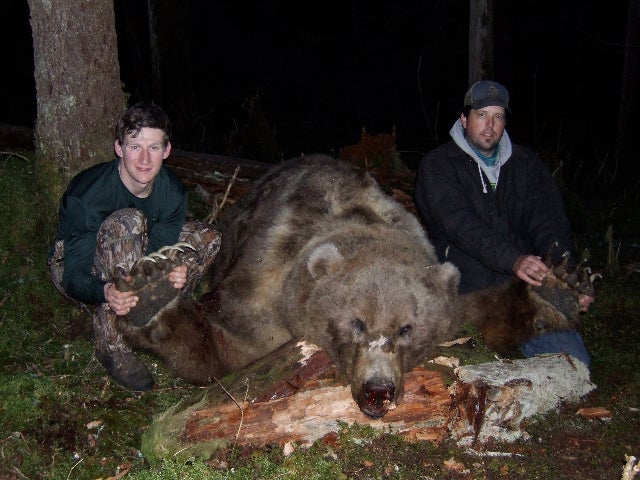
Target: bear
508	315
316	251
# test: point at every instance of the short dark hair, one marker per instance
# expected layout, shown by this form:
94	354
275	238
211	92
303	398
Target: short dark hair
143	115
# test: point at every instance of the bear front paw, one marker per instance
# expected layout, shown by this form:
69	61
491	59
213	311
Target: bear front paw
150	282
563	286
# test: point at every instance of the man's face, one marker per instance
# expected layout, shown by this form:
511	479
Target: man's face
484	128
141	159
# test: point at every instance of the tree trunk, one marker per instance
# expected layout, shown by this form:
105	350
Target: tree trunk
480	40
79	96
628	109
171	63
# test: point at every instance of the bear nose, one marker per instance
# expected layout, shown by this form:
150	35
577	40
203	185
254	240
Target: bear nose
375	397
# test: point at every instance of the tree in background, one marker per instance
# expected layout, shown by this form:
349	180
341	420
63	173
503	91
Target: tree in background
629	97
171	73
480	40
79	93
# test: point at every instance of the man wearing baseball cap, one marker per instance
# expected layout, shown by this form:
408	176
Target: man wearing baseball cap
493	209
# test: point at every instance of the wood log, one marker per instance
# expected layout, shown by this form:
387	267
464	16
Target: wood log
219	180
16	137
492	399
293	395
215	171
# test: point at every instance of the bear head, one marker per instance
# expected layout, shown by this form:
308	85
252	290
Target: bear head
377	310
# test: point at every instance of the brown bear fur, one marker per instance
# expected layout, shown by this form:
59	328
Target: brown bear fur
510	314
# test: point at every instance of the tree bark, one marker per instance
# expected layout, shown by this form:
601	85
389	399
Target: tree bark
480	40
79	96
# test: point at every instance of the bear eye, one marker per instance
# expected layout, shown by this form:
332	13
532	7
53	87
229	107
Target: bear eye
358	325
405	330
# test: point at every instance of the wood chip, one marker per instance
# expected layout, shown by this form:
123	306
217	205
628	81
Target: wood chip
594	412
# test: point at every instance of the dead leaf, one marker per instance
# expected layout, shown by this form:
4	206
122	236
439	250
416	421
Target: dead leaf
93	424
594	412
288	449
451	362
457	341
454	465
122	471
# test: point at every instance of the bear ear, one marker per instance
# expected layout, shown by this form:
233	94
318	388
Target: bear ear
325	258
449	276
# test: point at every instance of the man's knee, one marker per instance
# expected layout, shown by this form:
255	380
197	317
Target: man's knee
121	240
569	342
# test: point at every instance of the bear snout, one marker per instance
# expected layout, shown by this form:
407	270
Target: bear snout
375	397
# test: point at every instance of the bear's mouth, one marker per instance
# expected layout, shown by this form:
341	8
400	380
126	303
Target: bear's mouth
375	398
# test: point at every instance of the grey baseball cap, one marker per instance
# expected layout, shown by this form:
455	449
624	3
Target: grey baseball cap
487	93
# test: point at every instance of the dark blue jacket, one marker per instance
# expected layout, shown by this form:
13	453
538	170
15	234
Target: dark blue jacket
484	233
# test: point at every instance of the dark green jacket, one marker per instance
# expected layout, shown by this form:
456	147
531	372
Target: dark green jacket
91	197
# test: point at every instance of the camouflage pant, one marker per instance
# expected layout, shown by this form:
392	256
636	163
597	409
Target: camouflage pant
122	239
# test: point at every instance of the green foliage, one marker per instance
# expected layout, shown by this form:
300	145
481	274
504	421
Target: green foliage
16	202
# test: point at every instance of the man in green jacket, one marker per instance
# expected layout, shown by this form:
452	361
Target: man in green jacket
114	213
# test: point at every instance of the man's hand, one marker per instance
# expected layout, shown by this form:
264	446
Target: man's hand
531	269
120	302
178	276
585	302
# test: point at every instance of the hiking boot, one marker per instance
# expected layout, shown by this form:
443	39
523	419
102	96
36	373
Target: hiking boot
115	355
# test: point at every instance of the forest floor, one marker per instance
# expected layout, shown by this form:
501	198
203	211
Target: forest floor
62	418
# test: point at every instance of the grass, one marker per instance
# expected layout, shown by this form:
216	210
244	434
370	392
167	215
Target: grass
61	417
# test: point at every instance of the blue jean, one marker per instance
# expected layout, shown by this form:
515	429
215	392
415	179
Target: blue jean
569	342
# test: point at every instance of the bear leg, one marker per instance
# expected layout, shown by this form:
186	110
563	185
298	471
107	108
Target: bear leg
182	338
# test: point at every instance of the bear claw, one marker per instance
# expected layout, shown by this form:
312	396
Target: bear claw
150	282
564	284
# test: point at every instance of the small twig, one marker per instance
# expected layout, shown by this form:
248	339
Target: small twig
241	407
217	208
490	454
16	435
105	387
77	463
17	471
14	154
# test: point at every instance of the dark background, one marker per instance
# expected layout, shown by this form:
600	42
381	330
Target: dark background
324	70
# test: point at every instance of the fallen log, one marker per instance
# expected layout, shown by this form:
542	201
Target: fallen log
214	171
16	137
218	179
293	395
492	399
